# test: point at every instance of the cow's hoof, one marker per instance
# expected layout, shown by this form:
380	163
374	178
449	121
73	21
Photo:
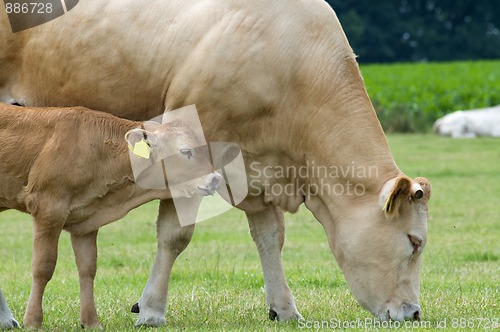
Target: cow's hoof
150	319
284	316
9	324
135	308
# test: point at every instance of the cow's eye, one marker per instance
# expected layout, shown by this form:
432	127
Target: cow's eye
415	242
188	153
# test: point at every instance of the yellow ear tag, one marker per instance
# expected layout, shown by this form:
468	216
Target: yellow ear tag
142	149
388	205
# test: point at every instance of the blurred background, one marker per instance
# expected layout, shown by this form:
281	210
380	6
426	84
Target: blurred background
422	59
421	30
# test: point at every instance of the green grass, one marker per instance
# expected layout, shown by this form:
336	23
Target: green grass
410	97
217	282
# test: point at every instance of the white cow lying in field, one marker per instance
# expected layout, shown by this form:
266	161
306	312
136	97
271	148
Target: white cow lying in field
471	123
71	169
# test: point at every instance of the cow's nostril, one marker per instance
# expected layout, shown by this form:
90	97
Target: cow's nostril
416	315
273	315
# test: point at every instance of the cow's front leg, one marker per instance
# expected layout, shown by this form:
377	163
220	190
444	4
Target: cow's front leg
7	320
85	249
172	240
45	237
268	232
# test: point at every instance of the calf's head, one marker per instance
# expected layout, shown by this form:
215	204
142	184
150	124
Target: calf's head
170	156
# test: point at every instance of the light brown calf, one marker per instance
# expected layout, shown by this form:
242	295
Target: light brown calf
70	169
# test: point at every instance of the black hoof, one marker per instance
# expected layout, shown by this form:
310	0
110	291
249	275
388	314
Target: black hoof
135	308
15	324
272	314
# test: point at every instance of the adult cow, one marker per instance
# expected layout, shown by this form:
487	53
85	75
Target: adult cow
470	123
277	77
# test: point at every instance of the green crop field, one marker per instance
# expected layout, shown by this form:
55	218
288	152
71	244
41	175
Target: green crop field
410	97
217	282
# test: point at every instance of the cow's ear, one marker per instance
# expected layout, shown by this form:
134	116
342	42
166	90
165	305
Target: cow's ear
394	193
425	186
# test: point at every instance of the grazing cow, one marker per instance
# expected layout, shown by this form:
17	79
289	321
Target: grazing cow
70	168
279	79
470	124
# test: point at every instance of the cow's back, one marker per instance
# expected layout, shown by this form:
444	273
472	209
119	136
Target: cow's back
283	68
134	59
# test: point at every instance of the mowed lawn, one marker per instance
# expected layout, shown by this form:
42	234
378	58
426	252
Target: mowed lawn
217	282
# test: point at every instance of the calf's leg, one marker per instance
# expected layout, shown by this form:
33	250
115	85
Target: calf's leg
172	240
85	249
268	232
45	238
7	320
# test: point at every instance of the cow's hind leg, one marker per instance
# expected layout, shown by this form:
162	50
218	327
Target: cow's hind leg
172	240
45	238
268	232
7	320
85	249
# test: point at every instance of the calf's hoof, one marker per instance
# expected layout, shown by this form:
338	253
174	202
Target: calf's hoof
32	324
91	326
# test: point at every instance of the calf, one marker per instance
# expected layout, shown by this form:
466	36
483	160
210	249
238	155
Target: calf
70	168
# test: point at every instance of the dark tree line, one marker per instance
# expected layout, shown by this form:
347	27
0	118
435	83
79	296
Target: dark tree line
421	30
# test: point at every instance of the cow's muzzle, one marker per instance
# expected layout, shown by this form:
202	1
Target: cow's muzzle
406	311
411	311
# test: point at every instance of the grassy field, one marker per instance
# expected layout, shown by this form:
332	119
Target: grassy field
410	97
217	282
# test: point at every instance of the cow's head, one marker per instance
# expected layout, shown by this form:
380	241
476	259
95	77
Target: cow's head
175	159
378	244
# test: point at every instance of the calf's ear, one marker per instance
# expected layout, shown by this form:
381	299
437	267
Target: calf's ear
395	192
136	135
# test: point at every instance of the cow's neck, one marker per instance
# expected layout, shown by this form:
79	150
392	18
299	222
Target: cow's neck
353	146
335	151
